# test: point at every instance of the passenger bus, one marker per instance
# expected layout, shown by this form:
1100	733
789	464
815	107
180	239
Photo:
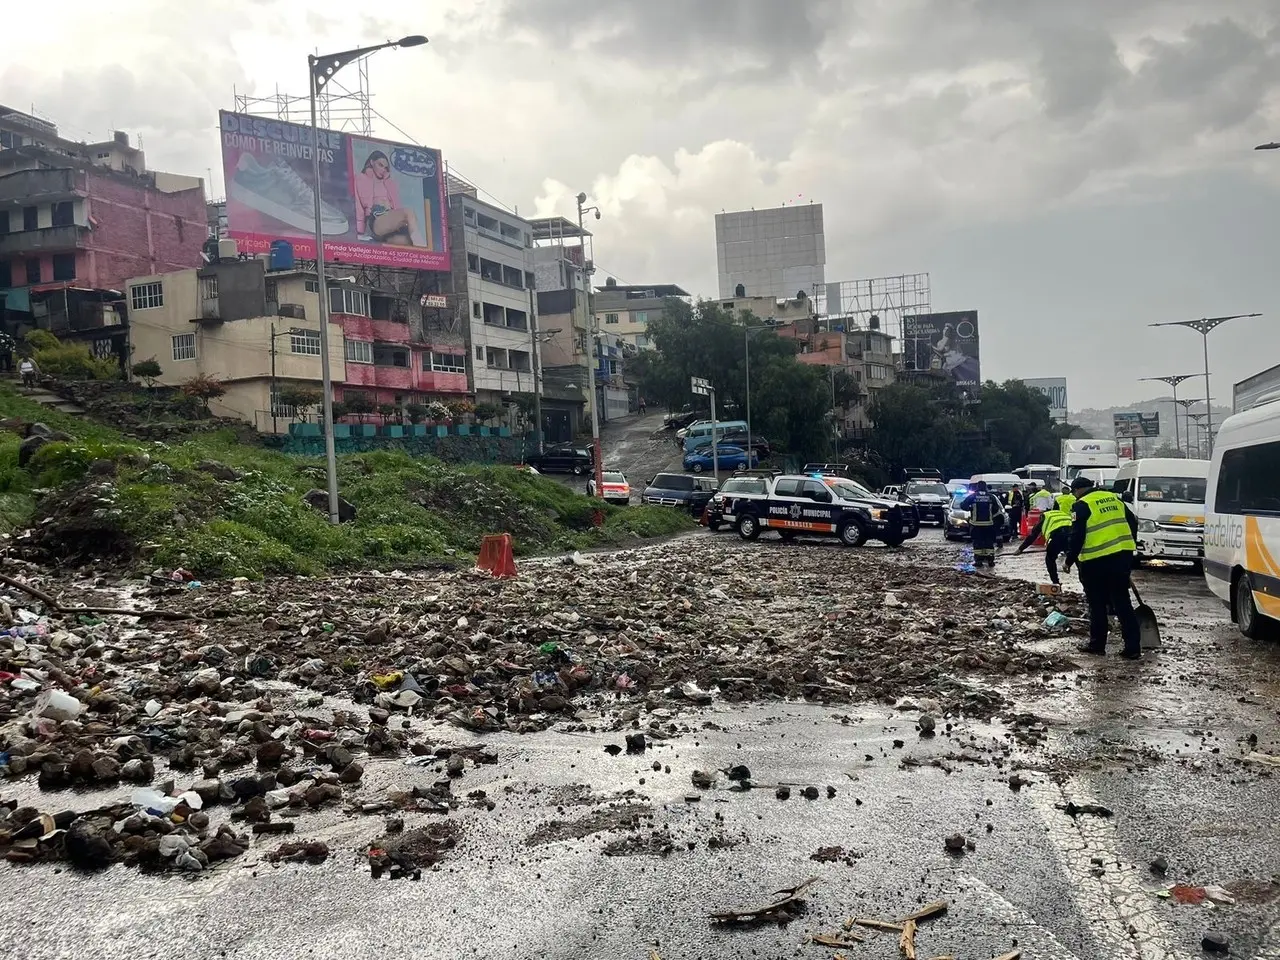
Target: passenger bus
1242	518
1044	474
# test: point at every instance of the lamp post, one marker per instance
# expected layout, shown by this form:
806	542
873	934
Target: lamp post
322	69
1186	404
747	334
1173	382
1204	326
1199	420
594	357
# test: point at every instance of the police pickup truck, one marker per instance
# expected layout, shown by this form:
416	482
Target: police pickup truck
818	505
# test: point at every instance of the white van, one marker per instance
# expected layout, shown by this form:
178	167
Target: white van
1242	518
1167	497
1102	477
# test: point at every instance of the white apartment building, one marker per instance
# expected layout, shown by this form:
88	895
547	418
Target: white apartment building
493	272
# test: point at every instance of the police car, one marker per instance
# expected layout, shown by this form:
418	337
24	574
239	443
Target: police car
819	505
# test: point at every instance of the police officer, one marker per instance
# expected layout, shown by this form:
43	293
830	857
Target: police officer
984	520
1065	501
1055	527
1103	543
1043	500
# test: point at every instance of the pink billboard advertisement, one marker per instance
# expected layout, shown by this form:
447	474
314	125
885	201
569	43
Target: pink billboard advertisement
381	203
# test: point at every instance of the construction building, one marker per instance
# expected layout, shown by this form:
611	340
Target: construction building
778	252
562	271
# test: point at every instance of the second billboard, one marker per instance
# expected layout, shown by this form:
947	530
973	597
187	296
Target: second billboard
945	342
382	203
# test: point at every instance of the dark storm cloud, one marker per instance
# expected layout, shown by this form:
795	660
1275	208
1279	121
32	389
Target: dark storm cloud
1078	67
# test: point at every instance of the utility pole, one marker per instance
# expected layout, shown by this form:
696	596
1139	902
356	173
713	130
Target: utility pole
536	356
274	426
1173	382
594	351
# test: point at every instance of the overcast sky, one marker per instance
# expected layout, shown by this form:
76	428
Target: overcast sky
1072	170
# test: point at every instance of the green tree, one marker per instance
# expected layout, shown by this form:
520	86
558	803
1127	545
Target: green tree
203	388
301	399
1016	418
358	404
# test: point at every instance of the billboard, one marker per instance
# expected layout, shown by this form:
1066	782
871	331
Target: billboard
382	203
1055	389
944	342
1133	425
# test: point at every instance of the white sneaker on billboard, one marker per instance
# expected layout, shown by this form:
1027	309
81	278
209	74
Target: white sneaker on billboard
277	190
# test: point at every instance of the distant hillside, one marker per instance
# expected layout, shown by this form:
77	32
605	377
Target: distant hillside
1098	423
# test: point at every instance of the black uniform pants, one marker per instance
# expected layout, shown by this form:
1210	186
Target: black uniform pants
1015	519
983	536
1106	588
1055	547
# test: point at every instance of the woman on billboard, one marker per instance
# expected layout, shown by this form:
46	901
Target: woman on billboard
379	214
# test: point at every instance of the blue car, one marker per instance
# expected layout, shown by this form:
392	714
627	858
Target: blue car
730	458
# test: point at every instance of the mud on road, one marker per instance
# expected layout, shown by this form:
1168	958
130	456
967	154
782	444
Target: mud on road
567	845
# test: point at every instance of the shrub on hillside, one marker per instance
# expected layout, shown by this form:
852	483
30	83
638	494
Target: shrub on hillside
204	388
73	361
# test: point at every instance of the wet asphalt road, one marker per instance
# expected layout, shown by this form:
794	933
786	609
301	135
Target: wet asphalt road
1157	742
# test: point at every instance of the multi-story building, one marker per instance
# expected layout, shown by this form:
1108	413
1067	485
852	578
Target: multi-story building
864	354
625	311
617	397
76	221
258	331
493	266
563	275
768	309
776	252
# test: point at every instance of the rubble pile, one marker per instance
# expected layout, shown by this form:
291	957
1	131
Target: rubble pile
248	711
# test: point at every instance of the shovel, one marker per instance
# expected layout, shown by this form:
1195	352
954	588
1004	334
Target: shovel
1148	629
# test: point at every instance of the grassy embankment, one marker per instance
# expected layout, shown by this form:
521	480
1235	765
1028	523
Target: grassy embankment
411	512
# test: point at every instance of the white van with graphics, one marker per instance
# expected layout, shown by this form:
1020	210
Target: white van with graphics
1242	518
1167	496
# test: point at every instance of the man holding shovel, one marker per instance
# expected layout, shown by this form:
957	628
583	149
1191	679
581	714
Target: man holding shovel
1103	543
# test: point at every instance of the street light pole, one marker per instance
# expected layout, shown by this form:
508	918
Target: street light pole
594	359
321	70
1204	326
1173	381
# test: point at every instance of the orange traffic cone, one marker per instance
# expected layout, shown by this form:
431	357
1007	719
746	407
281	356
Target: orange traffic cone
496	555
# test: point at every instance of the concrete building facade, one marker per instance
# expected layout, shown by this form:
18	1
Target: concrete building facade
625	312
774	252
493	274
769	309
864	354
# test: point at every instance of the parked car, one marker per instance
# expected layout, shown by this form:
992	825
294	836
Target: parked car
679	490
729	458
930	498
615	488
955	526
738	438
562	458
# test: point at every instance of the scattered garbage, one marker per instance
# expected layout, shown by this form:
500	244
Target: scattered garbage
56	705
1057	620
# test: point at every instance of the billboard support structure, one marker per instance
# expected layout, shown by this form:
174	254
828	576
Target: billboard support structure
349	111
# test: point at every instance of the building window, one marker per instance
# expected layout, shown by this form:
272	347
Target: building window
480	354
64	266
30	218
4	222
473	262
530	281
104	154
641	317
6	274
209	288
305	342
184	346
475	309
147	296
642	341
312	286
469	214
64	213
445	362
359	351
33	270
613	368
346	299
610	318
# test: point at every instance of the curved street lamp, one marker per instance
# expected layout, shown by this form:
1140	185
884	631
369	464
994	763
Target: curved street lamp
322	69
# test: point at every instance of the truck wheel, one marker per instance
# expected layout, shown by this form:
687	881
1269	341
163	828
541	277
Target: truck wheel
713	525
748	527
852	534
787	535
579	470
893	540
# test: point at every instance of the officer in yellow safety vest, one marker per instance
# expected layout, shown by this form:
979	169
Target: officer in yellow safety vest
1055	526
1065	501
1043	500
1103	542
